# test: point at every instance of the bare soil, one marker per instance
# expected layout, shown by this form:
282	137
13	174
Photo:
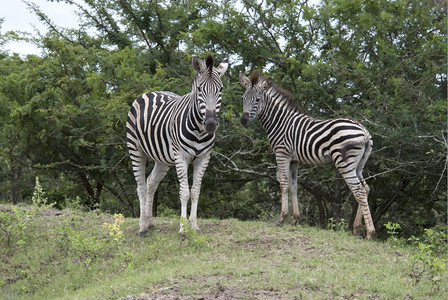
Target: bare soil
47	212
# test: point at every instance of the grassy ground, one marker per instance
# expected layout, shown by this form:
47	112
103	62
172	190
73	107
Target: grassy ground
72	255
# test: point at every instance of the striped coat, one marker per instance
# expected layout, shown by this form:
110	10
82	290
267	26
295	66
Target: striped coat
298	138
174	130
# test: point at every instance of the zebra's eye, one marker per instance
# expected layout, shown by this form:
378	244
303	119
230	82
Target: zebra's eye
199	89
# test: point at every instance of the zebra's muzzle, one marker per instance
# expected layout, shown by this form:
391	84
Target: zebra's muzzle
211	121
245	119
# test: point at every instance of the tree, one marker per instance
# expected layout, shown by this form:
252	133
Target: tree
380	62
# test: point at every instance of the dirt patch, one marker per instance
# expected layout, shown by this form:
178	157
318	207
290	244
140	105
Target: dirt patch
272	242
220	292
47	212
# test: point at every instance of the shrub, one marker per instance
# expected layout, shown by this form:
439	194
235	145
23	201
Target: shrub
429	258
337	224
392	230
83	246
17	224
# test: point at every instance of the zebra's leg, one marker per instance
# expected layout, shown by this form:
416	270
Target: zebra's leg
283	174
199	166
184	191
157	174
357	223
139	160
293	167
360	193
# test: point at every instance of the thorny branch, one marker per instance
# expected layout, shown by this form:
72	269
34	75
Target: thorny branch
230	165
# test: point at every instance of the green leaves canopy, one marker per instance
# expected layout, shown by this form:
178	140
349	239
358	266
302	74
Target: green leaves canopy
380	62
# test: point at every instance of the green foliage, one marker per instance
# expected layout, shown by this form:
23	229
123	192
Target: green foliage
18	224
392	230
14	225
191	237
429	259
63	114
337	225
429	253
84	247
39	200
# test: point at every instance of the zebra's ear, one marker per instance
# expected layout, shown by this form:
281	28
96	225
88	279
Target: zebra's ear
267	83
198	64
244	80
222	68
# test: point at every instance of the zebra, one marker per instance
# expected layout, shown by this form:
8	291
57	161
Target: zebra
296	137
174	130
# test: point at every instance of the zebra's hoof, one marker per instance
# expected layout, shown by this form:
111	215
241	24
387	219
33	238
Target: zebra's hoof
279	224
143	233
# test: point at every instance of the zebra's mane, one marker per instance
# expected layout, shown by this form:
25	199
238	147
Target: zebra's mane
254	77
291	102
209	63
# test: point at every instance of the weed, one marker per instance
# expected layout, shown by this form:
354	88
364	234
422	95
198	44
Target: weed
193	238
83	246
74	204
17	224
337	224
429	259
116	234
114	229
13	225
38	198
164	211
429	254
392	230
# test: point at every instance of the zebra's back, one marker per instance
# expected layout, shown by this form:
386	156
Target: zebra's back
324	142
148	126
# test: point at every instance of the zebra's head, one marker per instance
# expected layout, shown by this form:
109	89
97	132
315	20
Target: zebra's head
207	88
253	98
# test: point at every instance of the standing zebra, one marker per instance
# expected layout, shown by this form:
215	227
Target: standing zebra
175	130
296	137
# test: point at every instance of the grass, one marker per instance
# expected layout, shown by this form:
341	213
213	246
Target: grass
73	256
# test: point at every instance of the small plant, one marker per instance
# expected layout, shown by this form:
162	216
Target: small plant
429	259
13	225
114	228
84	247
16	224
38	198
392	230
73	203
116	234
337	224
193	238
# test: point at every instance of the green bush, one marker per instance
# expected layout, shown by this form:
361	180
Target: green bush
392	230
18	223
337	225
429	258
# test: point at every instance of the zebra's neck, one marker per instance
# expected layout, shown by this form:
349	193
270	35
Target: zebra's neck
276	111
195	115
192	120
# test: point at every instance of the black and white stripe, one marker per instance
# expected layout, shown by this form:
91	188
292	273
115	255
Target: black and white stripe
174	130
295	137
